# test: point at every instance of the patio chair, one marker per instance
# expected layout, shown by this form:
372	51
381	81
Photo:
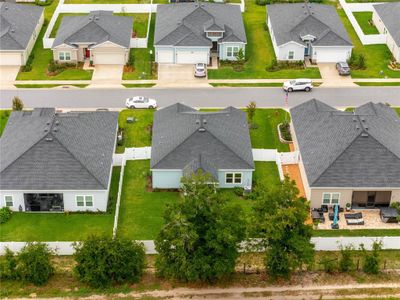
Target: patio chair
316	215
353	216
389	214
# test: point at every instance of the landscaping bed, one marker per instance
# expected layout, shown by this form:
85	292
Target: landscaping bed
364	19
28	227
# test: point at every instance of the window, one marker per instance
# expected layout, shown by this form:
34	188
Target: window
80	201
232	51
89	200
64	56
330	198
291	55
233	178
214	34
8	201
84	201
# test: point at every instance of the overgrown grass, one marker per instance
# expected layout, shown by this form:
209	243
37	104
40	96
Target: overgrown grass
259	51
363	18
60	226
138	133
377	57
4	114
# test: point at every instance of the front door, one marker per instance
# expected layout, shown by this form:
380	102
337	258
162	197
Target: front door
371	199
307	50
86	52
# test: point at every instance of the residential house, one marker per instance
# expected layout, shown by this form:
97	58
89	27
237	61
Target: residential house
54	161
99	37
348	157
19	28
189	33
302	31
386	18
186	140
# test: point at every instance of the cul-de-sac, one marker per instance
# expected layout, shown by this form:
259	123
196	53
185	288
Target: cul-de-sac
200	149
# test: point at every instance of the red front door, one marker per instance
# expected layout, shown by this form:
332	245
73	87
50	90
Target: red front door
87	53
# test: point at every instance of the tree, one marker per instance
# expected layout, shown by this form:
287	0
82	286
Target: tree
280	222
8	265
34	263
371	258
240	56
102	261
201	233
251	111
346	263
361	61
17	104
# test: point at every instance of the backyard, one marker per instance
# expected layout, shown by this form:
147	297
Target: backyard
4	114
363	18
377	57
143	62
259	51
61	226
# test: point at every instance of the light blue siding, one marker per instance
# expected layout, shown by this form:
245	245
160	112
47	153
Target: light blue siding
166	179
223	50
247	177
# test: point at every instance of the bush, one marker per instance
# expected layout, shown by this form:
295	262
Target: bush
5	214
43	2
102	261
131	60
8	265
17	104
34	263
329	265
285	131
357	61
276	66
238	191
263	2
55	67
371	258
346	263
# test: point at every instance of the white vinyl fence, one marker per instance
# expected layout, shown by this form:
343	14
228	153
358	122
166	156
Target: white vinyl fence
366	39
321	244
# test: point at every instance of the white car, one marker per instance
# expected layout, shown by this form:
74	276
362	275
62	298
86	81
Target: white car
140	102
298	85
200	70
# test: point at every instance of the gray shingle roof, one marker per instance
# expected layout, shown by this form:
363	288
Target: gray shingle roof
96	27
291	21
44	150
17	23
345	149
177	142
183	24
390	16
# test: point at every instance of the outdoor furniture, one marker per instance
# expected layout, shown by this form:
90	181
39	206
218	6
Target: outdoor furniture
316	215
332	215
324	208
353	216
389	214
354	221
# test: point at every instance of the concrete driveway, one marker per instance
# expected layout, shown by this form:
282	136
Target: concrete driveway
8	75
107	76
179	76
331	77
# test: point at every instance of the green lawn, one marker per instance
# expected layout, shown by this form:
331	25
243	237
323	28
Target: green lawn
271	84
378	83
137	134
259	51
144	66
107	1
356	232
398	110
377	57
4	114
44	56
139	85
60	226
363	19
46	86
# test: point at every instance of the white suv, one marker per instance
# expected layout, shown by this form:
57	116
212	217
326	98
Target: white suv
140	102
298	85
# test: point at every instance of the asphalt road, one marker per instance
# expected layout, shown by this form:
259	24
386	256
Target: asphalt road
205	97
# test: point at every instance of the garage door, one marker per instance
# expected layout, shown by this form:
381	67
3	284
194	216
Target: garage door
10	59
165	56
192	57
332	55
109	58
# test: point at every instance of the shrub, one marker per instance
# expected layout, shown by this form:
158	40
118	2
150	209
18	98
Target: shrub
361	62
238	191
346	262
285	131
17	104
263	2
8	265
329	265
371	258
131	60
34	263
55	67
43	2
102	261
5	214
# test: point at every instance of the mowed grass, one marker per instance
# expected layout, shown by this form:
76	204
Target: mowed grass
4	115
398	110
259	51
61	226
378	83
143	60
356	232
138	133
377	57
363	18
107	1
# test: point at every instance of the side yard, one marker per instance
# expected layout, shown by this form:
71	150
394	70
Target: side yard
259	51
4	114
363	18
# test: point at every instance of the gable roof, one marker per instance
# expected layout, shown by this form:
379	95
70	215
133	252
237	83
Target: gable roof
97	27
346	149
292	21
184	24
389	14
17	23
179	143
45	150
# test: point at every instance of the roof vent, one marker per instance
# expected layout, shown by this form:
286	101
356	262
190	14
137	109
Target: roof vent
5	7
49	139
202	129
362	119
48	123
364	134
46	129
96	18
204	121
57	122
55	129
366	127
358	127
198	122
12	30
354	119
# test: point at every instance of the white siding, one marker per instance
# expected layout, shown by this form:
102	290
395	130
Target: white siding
11	58
164	179
331	54
192	56
283	51
395	49
164	55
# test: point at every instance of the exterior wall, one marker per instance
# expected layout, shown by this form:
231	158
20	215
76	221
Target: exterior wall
223	50
272	35
395	49
331	53
283	52
110	49
32	41
247	177
74	54
100	199
166	179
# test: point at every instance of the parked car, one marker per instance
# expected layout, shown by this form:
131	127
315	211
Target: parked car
200	70
140	102
343	68
298	85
